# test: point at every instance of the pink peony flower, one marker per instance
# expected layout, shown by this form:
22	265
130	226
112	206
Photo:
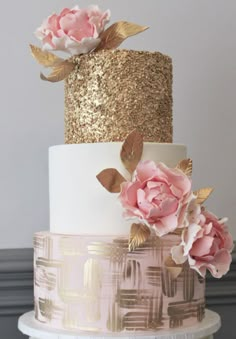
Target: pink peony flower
75	30
206	245
155	196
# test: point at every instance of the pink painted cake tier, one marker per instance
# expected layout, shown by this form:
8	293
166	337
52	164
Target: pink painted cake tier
93	283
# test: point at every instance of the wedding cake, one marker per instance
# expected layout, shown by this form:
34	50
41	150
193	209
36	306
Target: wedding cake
129	241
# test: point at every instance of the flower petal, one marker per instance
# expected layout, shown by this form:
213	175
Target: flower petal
201	246
189	236
178	256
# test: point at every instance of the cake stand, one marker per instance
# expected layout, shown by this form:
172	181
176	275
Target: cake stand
204	330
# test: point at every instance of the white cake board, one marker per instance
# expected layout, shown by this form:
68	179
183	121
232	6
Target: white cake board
204	330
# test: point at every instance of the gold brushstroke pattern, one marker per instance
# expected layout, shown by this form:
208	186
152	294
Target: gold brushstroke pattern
136	321
153	275
169	285
114	321
48	309
92	284
70	318
38	242
179	311
42	262
155	312
188	283
45	279
131	298
100	283
132	273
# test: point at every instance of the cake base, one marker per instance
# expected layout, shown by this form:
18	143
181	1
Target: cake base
203	330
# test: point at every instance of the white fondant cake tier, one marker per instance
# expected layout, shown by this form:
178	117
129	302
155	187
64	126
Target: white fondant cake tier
78	202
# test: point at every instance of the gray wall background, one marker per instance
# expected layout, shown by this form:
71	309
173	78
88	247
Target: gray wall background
200	37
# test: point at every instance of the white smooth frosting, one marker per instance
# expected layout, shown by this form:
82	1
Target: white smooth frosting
79	204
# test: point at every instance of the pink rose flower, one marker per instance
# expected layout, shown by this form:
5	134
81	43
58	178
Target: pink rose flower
75	30
206	245
155	196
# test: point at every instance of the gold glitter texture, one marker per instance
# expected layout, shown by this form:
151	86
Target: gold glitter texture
112	92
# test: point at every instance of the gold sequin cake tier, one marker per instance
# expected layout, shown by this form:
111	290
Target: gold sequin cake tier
112	92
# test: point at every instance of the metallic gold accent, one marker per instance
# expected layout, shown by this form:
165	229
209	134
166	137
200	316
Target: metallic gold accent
139	233
111	180
153	274
45	279
188	283
174	269
101	249
179	311
130	298
155	312
115	252
114	35
44	58
38	242
113	92
43	262
186	166
203	194
101	285
48	309
59	71
169	285
71	317
136	321
132	150
114	321
92	285
132	273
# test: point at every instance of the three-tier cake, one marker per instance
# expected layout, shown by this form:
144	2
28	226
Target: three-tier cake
129	241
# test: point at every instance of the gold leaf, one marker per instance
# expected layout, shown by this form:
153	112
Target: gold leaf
186	166
114	35
111	179
132	150
173	268
59	72
139	233
203	194
44	58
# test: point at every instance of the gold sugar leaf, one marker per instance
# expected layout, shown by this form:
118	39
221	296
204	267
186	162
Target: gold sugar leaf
59	72
132	150
186	166
45	58
114	35
173	268
111	179
174	271
139	233
203	194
